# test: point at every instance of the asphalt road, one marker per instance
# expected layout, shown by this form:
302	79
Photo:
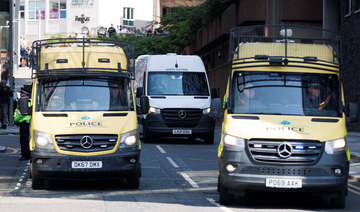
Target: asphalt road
178	175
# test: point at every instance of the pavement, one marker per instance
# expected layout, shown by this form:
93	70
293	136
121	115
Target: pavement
353	142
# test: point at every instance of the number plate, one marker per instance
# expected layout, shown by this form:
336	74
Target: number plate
283	183
182	132
86	164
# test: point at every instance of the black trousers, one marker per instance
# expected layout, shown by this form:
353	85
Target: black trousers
24	139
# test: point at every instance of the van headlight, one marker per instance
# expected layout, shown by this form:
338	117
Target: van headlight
336	145
129	139
154	110
206	111
233	143
43	141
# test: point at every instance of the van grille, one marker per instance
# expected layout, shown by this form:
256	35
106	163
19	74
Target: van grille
173	114
269	151
73	142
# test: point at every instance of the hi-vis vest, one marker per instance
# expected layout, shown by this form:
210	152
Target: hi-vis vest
20	118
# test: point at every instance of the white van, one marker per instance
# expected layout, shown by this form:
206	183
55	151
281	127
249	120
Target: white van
177	89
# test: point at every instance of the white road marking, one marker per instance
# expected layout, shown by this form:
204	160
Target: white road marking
353	191
212	201
172	162
160	149
187	178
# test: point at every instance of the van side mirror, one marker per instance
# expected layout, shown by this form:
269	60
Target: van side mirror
352	112
139	92
144	105
24	107
215	108
214	93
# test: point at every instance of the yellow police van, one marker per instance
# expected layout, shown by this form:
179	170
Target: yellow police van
284	126
84	122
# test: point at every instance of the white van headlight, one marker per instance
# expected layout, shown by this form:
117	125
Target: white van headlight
129	139
233	143
336	145
43	141
154	110
206	111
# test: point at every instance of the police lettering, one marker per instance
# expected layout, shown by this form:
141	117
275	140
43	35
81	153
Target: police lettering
86	124
287	128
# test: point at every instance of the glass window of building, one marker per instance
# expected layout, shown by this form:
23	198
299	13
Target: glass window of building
128	16
347	8
57	9
22	10
356	6
35	7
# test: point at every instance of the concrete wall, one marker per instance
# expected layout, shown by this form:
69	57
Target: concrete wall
350	32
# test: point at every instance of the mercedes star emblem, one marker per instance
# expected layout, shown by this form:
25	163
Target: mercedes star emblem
182	114
284	150
86	142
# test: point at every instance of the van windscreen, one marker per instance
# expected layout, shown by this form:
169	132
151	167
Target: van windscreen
280	93
178	83
84	95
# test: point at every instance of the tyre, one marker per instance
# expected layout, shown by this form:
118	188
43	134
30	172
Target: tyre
133	181
37	182
209	139
146	137
224	197
339	201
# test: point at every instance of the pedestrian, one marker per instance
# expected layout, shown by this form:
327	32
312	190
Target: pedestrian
111	30
23	121
5	94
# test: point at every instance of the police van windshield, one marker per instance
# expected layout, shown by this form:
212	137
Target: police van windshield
85	95
178	83
281	93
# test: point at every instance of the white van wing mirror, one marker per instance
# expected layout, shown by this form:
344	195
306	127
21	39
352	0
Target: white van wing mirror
214	93
215	108
139	92
144	105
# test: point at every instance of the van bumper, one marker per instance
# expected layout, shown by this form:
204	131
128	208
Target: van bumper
59	167
316	178
156	126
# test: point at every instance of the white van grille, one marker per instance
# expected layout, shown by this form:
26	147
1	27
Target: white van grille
188	115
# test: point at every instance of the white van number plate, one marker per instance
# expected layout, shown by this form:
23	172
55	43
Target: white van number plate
86	164
182	132
283	183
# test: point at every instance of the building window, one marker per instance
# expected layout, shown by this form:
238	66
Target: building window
22	10
128	17
356	6
347	8
57	9
35	7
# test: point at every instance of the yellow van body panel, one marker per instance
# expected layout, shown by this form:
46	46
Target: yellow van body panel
322	52
74	56
73	124
268	126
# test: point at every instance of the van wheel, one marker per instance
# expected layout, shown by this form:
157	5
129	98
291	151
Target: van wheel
37	182
224	197
209	139
146	137
339	201
133	181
